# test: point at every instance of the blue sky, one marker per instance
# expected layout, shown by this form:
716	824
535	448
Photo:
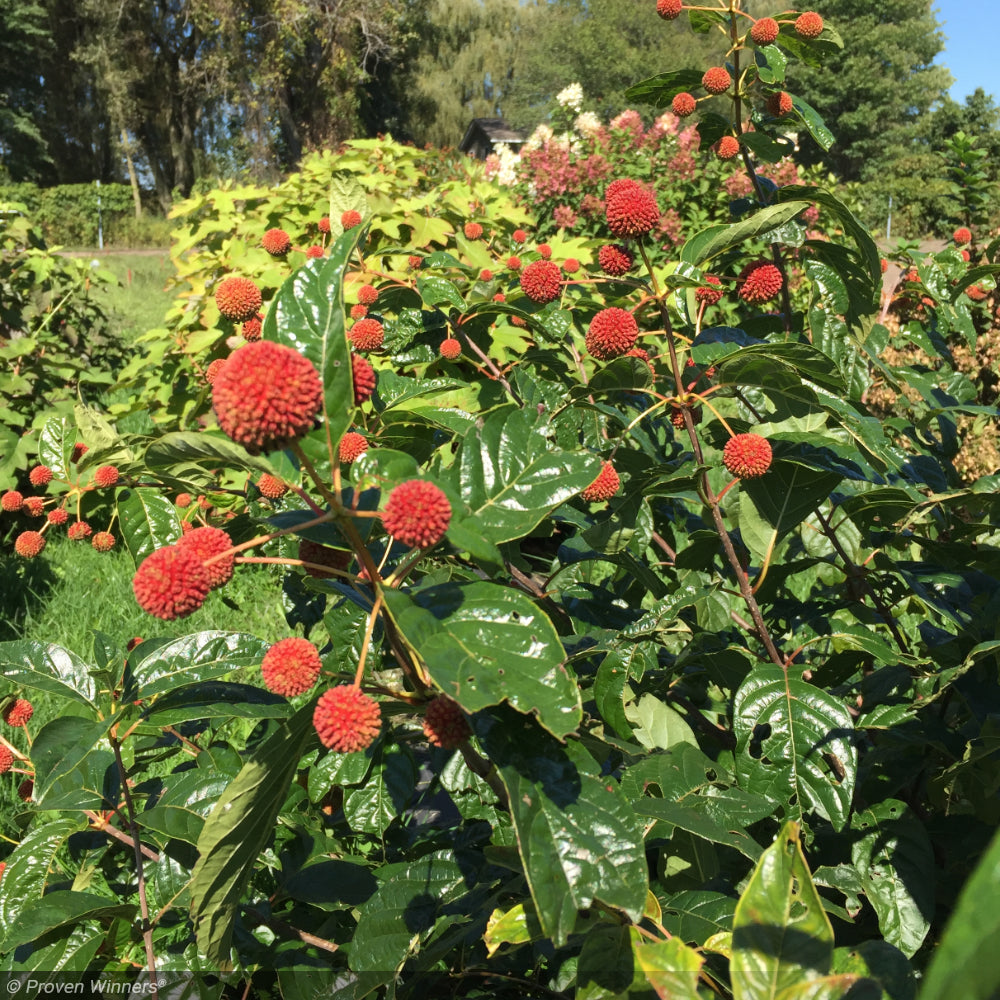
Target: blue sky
970	27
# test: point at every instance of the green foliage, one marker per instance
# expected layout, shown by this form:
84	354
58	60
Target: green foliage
54	340
688	736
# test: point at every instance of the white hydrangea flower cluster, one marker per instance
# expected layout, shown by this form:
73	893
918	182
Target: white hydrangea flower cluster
506	173
571	97
587	123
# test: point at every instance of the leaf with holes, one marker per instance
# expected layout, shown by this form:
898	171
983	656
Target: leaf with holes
795	743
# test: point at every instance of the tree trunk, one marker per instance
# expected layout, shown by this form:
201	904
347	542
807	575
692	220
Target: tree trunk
133	180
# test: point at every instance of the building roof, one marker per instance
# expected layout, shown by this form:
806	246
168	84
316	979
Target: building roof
494	129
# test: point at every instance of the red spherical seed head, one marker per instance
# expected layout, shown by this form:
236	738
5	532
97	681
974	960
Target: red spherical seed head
809	24
79	450
58	515
346	719
350	219
171	583
884	265
631	211
78	530
276	242
514	262
417	514
604	487
183	500
238	299
29	544
252	329
683	104
764	31
472	230
359	311
322	555
352	445
759	282
780	104
486	274
962	235
499	297
710	292
106	477
367	294
11	501
103	541
519	236
615	259
415	262
747	456
727	148
363	376
544	251
34	506
445	724
541	281
366	335
271	486
19	713
40	475
669	10
212	371
612	333
717	80
450	349
6	759
324	224
571	265
966	256
25	789
517	321
204	544
291	667
267	396
314	252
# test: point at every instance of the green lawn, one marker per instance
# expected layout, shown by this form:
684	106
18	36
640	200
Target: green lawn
140	300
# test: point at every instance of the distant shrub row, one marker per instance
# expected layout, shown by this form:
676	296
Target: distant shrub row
67	214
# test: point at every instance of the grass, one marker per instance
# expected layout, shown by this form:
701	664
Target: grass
71	590
139	302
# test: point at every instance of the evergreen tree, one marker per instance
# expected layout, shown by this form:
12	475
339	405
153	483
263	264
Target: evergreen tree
878	87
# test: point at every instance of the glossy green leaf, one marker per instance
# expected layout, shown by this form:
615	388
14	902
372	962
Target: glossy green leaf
202	446
237	830
814	122
689	816
779	501
48	668
404	910
331	884
578	838
511	476
967	961
695	915
60	909
662	89
754	365
711	242
216	700
782	938
384	796
519	925
61	746
148	521
484	644
670	967
307	314
31	869
795	743
173	823
437	291
895	860
55	445
202	656
70	951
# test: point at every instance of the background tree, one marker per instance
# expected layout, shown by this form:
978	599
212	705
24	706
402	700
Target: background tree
606	47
